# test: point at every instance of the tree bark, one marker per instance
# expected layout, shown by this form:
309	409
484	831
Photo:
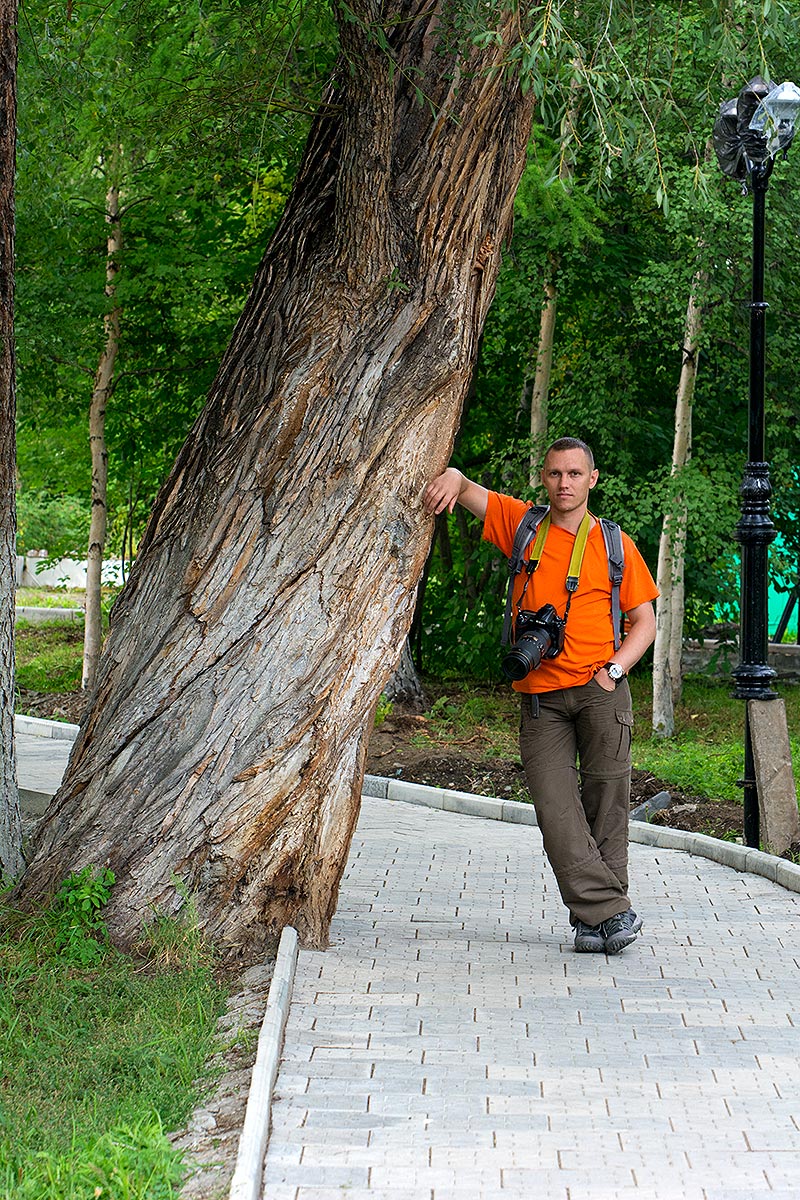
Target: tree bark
225	746
404	686
101	391
672	544
540	389
10	828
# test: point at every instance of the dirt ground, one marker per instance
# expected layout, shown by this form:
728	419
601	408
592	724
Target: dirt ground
393	753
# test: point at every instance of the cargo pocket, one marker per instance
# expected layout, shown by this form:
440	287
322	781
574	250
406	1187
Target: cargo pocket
625	723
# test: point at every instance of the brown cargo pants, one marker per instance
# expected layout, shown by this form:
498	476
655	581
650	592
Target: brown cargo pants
584	826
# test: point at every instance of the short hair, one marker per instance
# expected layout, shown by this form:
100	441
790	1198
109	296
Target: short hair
571	443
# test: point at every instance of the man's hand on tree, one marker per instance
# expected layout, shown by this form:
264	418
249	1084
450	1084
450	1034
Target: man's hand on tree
443	492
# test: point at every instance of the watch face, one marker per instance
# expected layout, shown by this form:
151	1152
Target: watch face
615	671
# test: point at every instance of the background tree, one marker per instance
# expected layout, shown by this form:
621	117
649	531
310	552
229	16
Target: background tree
10	833
272	591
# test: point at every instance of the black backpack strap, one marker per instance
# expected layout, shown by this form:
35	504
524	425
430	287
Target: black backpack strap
612	536
526	532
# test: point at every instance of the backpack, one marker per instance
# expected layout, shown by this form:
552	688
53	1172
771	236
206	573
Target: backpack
526	532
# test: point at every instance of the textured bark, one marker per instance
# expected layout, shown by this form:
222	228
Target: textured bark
226	742
10	833
540	388
101	391
404	686
672	544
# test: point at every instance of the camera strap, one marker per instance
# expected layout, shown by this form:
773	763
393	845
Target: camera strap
535	524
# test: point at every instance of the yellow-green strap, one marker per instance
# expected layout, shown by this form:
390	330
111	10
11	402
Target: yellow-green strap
573	574
538	545
578	549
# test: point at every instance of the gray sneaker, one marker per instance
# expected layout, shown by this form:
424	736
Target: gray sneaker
620	931
589	939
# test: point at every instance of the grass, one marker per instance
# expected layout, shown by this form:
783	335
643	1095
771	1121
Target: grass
705	757
706	754
479	717
98	1058
33	597
49	655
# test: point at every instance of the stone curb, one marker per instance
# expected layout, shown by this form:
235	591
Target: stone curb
459	802
36	615
247	1176
38	727
729	854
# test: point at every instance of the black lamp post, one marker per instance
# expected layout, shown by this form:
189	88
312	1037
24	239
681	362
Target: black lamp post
749	131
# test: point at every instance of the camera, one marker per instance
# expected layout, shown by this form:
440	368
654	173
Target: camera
538	635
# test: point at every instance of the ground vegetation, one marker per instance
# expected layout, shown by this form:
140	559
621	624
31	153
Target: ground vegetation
101	1054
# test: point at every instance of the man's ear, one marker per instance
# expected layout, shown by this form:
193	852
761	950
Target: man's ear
593	478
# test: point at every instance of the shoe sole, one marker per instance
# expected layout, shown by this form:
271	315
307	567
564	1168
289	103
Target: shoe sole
615	945
590	947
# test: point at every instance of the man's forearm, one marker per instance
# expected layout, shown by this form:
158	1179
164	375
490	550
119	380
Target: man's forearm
640	635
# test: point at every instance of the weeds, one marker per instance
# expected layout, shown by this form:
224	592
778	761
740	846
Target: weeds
49	656
99	1052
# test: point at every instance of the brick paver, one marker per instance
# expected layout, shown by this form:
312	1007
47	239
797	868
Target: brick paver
450	1044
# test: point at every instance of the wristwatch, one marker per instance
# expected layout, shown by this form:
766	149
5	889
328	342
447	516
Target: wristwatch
615	672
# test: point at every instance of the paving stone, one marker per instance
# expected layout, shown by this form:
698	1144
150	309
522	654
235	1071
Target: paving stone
451	1044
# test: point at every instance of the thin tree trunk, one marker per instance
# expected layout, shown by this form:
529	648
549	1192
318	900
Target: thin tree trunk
404	686
225	745
10	828
540	390
101	392
672	545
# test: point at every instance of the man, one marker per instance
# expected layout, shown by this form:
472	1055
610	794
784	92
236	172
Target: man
576	705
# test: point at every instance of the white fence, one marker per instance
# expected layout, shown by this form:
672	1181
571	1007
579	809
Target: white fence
67	572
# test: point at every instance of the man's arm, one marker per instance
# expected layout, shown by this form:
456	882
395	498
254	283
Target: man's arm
452	487
641	633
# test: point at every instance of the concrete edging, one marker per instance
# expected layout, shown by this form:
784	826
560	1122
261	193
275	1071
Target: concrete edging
62	731
246	1182
728	854
38	616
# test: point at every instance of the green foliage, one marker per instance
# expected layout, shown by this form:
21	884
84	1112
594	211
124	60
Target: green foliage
49	655
96	1060
59	525
199	118
78	929
383	711
592	217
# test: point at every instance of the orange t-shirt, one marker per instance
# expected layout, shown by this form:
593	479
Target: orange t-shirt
589	636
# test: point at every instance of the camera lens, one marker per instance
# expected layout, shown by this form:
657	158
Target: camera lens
525	655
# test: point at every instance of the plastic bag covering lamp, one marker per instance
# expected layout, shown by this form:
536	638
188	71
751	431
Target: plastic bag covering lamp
749	131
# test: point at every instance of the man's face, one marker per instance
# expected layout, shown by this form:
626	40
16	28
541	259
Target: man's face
568	480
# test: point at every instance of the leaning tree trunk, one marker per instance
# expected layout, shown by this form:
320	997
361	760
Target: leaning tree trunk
10	831
223	754
672	545
103	385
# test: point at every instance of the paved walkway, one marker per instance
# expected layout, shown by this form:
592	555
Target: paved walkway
451	1044
41	762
